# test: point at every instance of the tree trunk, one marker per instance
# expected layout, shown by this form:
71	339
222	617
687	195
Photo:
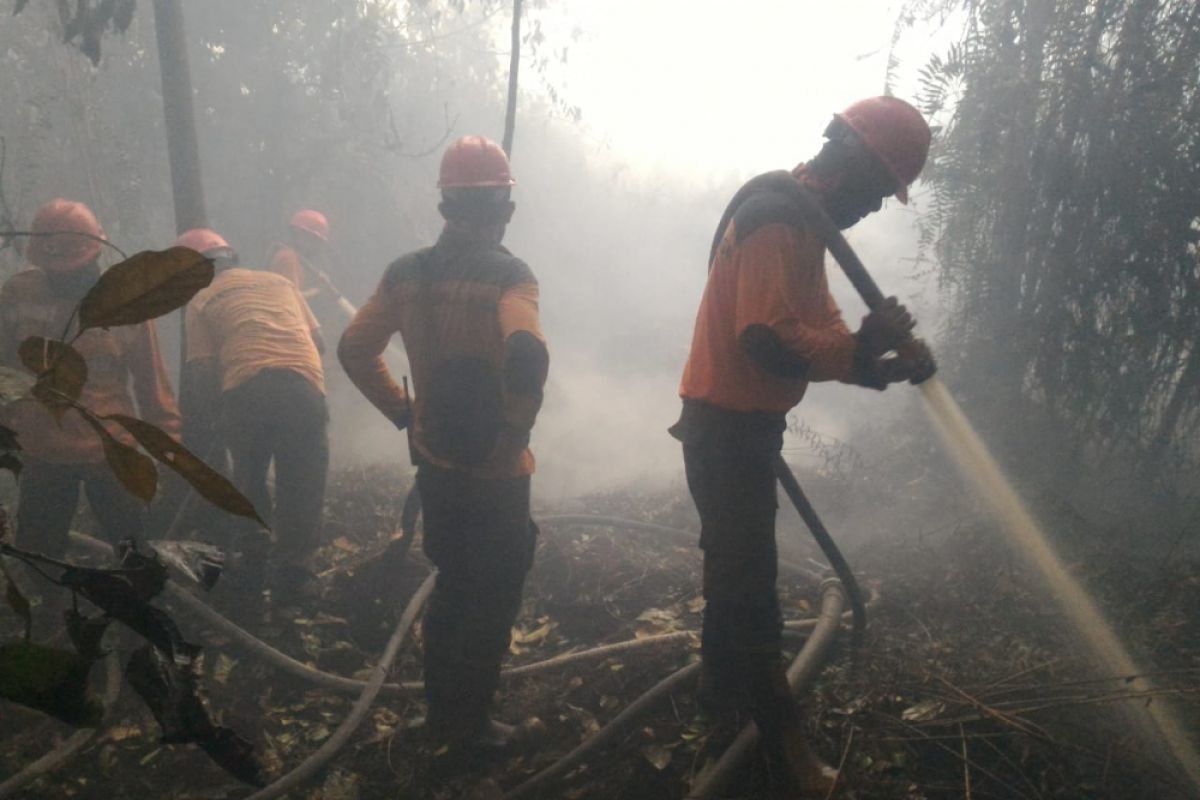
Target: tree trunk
179	117
514	63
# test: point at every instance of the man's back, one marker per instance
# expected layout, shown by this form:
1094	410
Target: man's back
250	320
455	305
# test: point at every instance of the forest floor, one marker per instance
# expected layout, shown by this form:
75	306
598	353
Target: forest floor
967	685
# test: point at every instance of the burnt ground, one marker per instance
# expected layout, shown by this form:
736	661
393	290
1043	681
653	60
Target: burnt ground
967	684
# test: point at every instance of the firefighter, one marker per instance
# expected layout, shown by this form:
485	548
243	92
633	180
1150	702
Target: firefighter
467	312
307	241
61	457
767	326
254	354
304	259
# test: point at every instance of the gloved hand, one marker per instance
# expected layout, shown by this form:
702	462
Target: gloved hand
403	420
883	329
914	363
918	361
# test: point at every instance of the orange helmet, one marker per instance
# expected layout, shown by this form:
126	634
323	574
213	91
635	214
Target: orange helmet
474	162
69	236
202	240
896	133
313	222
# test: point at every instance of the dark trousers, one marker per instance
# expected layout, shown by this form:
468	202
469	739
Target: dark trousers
729	462
48	497
279	416
481	538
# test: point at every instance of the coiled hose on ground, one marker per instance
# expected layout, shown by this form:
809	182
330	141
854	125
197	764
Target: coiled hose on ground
317	761
371	688
801	672
804	668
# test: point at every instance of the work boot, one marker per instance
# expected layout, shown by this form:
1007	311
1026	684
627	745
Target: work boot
803	774
457	751
500	737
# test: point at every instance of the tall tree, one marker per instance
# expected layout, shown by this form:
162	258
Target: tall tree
1065	214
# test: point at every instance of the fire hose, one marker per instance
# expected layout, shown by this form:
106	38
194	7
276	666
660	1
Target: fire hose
800	674
317	761
802	671
370	691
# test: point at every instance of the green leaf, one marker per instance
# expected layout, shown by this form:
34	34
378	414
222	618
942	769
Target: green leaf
210	484
61	371
144	286
52	681
133	468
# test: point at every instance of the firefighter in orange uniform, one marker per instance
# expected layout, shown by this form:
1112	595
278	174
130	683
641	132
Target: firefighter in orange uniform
766	328
307	241
467	311
305	259
60	459
254	350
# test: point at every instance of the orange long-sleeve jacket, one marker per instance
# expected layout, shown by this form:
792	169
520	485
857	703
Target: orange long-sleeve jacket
285	261
247	321
467	312
116	358
767	324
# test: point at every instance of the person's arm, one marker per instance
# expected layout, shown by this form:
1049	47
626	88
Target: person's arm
310	320
286	262
360	352
151	386
526	359
786	320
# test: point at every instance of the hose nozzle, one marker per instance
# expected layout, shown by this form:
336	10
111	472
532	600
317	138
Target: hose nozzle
918	353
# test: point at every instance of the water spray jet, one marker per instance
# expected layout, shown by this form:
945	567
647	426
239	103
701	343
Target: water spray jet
977	463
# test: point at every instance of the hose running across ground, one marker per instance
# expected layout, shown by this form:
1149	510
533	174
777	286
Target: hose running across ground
803	669
373	687
362	706
338	683
801	672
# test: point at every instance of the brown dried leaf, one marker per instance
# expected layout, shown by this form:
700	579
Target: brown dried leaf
208	483
61	371
133	469
144	286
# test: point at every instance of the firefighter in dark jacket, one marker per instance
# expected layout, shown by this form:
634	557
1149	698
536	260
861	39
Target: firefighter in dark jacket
467	312
766	328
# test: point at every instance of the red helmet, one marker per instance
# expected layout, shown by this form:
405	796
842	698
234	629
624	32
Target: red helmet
474	162
313	222
896	133
203	241
77	241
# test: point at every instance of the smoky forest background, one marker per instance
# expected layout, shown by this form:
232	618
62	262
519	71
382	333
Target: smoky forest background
1051	254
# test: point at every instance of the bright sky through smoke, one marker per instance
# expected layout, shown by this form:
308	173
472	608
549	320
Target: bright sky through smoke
717	87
